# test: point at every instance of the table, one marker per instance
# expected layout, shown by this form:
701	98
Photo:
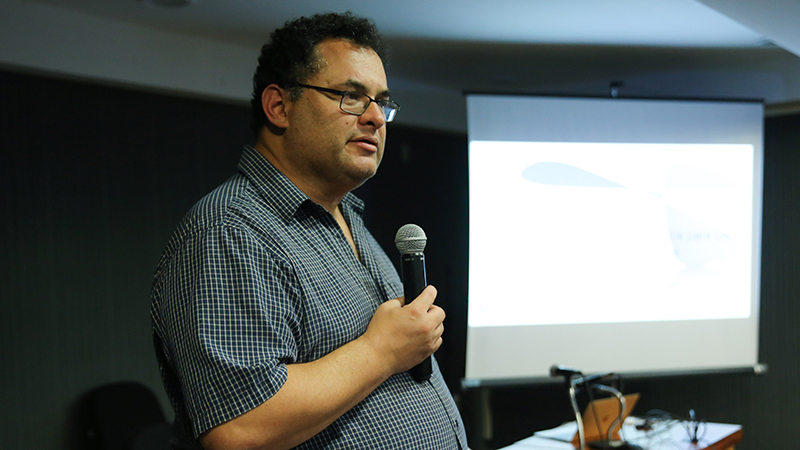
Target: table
665	435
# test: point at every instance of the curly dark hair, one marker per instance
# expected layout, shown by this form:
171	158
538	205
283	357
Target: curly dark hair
290	56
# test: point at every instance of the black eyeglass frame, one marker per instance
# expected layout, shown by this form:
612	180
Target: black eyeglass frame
388	107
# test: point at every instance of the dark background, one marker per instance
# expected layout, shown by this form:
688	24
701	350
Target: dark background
94	179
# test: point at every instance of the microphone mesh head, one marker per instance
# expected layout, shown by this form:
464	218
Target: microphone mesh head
410	239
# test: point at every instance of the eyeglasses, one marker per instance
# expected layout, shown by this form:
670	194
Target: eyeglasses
356	103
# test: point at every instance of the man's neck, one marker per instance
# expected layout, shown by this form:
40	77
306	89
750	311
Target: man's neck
323	195
329	202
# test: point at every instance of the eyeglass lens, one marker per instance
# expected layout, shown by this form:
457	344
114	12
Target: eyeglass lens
357	103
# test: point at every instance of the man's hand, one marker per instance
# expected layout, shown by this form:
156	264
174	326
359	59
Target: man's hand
406	335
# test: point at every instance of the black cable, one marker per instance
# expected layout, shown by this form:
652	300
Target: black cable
695	429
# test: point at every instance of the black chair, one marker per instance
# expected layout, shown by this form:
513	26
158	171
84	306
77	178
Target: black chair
125	415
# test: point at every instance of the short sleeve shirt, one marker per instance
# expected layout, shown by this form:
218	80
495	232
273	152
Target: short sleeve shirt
258	276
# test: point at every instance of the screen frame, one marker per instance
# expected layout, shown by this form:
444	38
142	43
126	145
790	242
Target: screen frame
510	125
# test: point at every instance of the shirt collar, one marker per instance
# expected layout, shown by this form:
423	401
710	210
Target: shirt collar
278	190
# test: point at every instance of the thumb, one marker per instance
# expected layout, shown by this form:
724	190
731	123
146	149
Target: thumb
425	299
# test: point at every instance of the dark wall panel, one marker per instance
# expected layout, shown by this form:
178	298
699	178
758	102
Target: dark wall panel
92	181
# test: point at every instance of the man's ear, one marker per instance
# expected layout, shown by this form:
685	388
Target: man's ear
274	102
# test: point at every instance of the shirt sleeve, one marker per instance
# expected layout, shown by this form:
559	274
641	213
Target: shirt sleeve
234	322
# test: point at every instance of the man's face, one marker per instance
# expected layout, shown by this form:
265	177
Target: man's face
327	145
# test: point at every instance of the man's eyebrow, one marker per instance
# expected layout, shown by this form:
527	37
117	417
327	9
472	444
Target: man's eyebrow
360	87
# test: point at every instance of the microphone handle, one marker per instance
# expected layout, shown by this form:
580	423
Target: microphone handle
412	269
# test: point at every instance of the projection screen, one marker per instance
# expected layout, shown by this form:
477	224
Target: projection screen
612	235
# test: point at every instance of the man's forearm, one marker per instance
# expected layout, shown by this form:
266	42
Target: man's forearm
314	396
317	393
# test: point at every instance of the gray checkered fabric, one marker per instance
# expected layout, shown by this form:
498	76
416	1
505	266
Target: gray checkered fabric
258	276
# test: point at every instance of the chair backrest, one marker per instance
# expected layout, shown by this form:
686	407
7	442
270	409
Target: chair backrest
119	412
153	437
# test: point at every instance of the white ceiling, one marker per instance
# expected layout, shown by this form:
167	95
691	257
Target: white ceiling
533	46
577	22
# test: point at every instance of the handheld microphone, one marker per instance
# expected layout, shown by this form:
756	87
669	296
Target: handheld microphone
410	241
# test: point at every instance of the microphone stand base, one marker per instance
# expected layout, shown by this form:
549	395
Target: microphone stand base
613	445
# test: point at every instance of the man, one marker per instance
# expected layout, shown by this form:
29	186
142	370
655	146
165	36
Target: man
278	321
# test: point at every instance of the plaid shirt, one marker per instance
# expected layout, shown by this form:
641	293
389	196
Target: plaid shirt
258	276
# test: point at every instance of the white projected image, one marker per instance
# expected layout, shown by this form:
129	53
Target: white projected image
605	232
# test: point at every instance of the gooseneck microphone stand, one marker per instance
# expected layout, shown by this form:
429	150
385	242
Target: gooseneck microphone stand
607	443
573	399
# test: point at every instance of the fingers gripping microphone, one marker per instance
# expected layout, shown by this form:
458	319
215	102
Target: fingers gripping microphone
410	241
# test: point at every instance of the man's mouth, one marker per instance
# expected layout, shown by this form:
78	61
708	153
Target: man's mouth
368	143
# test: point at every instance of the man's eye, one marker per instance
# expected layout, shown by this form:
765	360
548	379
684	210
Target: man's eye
353	98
